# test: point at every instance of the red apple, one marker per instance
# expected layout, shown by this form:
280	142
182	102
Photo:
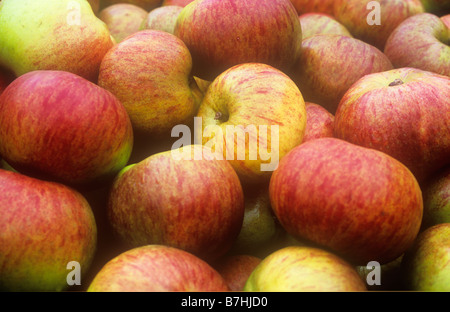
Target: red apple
236	269
436	195
330	64
304	269
313	6
162	18
184	198
358	202
421	41
150	73
147	5
181	3
403	112
319	122
221	34
320	23
157	268
44	226
122	19
374	21
59	126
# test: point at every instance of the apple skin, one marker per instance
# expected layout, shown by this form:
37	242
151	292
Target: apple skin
446	20
181	3
162	18
123	19
43	226
330	64
319	122
36	35
353	15
157	268
221	34
304	269
358	202
436	195
236	269
421	41
77	133
320	23
253	94
409	121
147	5
313	6
178	202
426	264
150	73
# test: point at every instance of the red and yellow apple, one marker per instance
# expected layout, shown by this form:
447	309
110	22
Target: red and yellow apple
236	269
162	18
181	3
314	23
319	122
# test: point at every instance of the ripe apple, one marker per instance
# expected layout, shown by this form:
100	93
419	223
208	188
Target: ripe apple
403	112
181	3
374	21
436	195
150	73
330	64
304	269
247	110
162	18
320	23
43	227
319	122
313	6
421	41
221	34
147	5
57	125
358	202
157	268
426	264
52	35
236	269
177	198
122	19
446	20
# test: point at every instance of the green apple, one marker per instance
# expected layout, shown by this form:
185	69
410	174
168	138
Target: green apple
436	195
304	269
427	264
150	73
44	226
122	19
157	268
162	18
52	35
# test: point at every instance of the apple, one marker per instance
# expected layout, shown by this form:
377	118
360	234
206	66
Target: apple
320	23
403	112
236	269
259	227
221	34
446	20
202	84
313	6
157	268
426	264
52	35
421	41
319	122
181	3
304	269
436	6
329	64
44	226
59	126
374	21
436	195
162	18
123	19
147	5
247	110
177	198
358	202
95	5
150	73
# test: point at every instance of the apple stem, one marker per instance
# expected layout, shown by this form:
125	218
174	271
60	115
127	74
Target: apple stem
396	82
218	116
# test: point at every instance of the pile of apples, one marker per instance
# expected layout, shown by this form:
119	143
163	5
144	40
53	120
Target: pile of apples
112	180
